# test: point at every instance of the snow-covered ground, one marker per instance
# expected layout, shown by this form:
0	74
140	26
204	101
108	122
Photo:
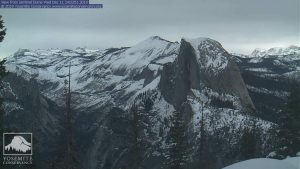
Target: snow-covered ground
267	163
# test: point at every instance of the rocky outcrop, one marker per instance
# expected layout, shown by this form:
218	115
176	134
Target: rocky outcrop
189	71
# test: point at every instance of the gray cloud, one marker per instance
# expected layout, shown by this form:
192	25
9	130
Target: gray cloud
240	25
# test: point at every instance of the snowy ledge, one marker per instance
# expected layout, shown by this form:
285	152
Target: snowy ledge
267	163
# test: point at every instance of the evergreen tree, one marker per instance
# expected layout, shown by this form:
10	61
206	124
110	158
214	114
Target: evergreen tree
67	158
205	154
203	139
136	147
248	143
3	73
177	155
148	103
2	29
289	124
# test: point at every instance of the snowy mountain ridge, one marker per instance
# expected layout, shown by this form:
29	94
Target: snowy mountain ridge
276	51
51	66
194	77
106	67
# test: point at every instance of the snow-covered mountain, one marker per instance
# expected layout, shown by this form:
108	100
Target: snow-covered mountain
156	76
276	51
110	73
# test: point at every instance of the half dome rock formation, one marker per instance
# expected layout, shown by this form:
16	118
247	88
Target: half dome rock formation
112	87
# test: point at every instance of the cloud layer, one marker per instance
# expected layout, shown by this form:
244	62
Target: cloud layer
240	25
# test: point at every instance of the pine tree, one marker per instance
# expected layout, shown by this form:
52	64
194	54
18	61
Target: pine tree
203	139
289	124
69	127
137	147
205	155
248	143
67	158
2	29
3	73
177	155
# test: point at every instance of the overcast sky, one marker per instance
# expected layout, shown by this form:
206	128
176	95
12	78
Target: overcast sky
240	25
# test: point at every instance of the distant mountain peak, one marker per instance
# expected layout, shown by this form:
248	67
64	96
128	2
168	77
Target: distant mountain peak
157	39
275	51
258	52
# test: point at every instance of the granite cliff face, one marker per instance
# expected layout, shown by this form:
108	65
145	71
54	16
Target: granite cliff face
157	77
203	63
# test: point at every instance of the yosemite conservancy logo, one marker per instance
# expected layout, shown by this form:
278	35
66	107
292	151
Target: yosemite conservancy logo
17	148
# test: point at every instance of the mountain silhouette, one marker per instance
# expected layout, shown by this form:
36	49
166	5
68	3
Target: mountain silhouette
18	144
